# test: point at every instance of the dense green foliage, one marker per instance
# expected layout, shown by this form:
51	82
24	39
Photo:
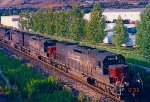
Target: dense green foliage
96	25
77	24
120	34
143	34
65	23
28	86
24	19
49	27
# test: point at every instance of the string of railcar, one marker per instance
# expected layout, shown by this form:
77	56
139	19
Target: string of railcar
102	70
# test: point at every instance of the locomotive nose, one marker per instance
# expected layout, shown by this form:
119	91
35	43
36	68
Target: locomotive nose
133	90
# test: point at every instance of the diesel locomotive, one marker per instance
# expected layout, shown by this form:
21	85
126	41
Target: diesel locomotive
103	69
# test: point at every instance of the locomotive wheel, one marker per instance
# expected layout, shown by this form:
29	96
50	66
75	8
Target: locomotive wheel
91	80
66	69
39	57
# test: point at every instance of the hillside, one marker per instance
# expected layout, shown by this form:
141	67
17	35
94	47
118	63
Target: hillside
36	3
51	3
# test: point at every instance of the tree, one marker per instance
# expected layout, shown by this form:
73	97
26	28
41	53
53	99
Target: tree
40	19
56	22
49	22
143	33
33	22
24	21
63	23
120	34
77	24
96	25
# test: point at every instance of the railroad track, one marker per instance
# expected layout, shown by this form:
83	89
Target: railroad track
65	78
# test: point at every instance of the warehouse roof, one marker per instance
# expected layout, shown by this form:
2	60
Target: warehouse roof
125	10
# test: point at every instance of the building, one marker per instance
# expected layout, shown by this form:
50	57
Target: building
10	21
126	14
108	38
110	26
130	15
130	43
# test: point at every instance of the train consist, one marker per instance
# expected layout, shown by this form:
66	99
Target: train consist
105	70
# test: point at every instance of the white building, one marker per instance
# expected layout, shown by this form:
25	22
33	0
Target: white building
108	38
10	21
126	14
131	41
110	26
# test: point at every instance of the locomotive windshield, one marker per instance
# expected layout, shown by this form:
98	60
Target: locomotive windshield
48	43
112	60
115	60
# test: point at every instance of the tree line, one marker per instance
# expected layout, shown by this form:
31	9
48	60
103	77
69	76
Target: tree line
71	24
66	23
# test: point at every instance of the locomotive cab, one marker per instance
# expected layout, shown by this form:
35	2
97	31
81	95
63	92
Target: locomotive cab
50	48
118	73
107	59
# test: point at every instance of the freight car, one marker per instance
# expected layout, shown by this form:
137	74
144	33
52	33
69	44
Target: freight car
103	69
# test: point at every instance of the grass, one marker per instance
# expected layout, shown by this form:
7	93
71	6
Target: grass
25	82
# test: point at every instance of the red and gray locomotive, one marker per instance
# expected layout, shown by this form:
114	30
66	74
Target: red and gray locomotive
103	69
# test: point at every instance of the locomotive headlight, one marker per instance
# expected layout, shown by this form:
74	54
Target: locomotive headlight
123	89
138	81
116	57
